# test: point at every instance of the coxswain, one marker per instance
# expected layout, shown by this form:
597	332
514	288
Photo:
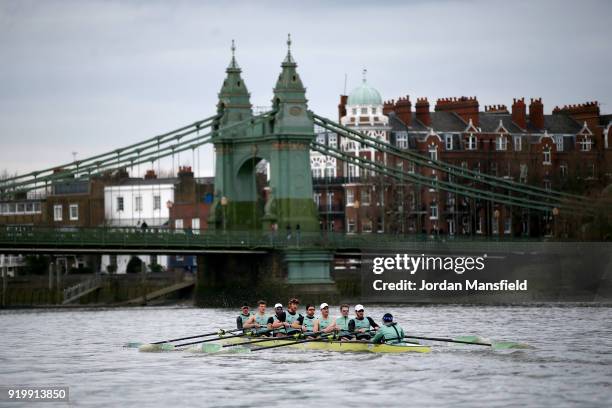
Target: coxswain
361	325
390	332
259	320
243	317
326	323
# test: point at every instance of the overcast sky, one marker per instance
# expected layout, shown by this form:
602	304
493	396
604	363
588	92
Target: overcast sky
91	76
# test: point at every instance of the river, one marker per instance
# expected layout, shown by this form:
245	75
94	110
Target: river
570	363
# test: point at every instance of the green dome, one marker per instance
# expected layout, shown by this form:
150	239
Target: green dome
364	95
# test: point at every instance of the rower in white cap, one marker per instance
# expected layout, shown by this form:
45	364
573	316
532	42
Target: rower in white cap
361	324
326	323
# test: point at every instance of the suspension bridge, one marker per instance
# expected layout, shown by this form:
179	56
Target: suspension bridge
284	136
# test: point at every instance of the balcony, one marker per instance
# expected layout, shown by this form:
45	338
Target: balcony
331	209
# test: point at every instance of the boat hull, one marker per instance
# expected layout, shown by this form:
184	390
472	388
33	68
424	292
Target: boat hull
342	346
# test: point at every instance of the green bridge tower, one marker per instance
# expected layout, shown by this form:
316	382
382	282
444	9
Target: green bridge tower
282	138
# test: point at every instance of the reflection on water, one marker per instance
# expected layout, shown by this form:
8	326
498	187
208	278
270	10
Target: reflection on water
571	364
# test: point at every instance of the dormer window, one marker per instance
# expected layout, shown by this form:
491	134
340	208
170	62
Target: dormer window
501	143
518	145
471	142
373	111
586	144
364	111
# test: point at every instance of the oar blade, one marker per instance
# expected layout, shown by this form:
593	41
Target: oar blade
155	348
133	344
506	345
471	339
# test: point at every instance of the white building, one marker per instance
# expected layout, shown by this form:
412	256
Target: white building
132	203
10	264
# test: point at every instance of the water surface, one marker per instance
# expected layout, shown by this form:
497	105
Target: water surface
571	364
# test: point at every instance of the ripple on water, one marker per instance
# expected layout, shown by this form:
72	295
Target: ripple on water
570	364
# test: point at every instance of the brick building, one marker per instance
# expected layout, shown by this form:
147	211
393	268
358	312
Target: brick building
569	150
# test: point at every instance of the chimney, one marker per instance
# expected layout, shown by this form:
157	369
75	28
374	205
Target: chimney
465	106
150	175
342	107
388	107
588	111
403	110
536	113
185	171
422	111
518	113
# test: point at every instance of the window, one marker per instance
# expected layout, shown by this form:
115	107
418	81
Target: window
433	212
178	224
518	145
507	225
350	197
195	225
354	111
366	226
138	203
494	168
402	140
330	171
317	172
547	185
74	212
373	110
317	199
365	196
559	143
563	170
433	152
411	167
472	142
119	204
352	171
21	208
57	212
321	138
333	140
585	144
29	207
547	155
156	202
523	175
502	143
330	201
364	111
350	226
449	142
37	207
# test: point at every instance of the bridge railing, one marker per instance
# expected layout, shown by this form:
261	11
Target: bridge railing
163	238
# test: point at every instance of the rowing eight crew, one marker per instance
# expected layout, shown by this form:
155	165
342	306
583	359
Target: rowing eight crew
290	322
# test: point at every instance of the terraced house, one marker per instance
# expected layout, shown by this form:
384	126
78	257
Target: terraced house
569	150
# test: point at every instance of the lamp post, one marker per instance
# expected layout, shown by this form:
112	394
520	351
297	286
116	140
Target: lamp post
555	213
496	218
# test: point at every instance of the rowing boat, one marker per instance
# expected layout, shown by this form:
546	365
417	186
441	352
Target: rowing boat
335	345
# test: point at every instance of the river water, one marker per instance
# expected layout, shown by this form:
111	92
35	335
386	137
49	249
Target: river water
570	364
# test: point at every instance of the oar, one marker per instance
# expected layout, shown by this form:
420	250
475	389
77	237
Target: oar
323	337
215	347
251	333
219	332
170	347
501	345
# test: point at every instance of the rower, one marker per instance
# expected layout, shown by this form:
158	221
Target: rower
243	317
310	324
362	324
259	320
390	332
294	319
326	323
277	321
342	323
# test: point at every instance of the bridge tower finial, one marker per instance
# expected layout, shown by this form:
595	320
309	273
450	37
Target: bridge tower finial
289	59
364	73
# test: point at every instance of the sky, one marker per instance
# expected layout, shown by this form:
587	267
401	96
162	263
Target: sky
86	77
